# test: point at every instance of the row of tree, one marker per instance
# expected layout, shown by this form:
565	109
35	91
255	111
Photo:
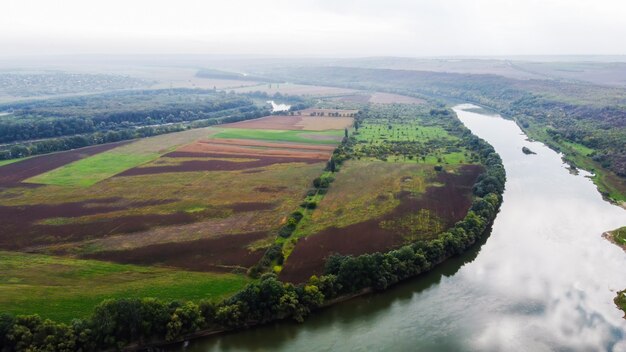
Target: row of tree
83	140
118	323
112	111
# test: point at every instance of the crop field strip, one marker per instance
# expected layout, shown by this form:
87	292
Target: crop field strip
14	173
89	171
54	287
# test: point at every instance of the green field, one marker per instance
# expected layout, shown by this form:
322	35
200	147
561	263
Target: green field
10	161
89	171
312	137
429	144
608	183
63	289
619	236
379	131
346	203
620	300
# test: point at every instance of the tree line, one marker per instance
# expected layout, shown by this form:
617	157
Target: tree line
50	145
113	111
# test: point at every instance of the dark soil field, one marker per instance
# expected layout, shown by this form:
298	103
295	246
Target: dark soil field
21	230
14	173
449	202
223	253
216	154
215	165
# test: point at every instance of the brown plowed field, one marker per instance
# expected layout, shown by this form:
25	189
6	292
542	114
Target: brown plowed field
449	202
216	165
211	254
14	173
261	153
20	228
297	122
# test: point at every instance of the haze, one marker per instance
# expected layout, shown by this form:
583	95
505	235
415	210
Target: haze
313	28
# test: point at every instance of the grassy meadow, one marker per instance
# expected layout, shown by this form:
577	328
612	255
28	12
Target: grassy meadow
312	137
89	171
63	288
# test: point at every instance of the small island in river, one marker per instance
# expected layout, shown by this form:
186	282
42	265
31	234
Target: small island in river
527	151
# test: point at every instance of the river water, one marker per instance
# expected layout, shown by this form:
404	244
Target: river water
543	280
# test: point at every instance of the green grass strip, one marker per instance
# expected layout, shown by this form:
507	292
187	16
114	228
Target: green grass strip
282	135
88	171
64	288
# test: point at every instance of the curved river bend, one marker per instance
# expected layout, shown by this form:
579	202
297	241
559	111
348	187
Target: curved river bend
544	280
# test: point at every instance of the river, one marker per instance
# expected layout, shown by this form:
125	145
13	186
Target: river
543	280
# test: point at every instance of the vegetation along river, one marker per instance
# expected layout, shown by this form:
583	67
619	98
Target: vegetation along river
545	279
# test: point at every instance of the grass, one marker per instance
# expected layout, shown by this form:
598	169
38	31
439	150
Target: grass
620	301
63	289
10	161
363	190
206	195
619	236
312	137
608	183
437	145
377	132
89	171
579	148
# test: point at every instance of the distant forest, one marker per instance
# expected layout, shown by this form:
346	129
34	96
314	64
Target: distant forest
42	126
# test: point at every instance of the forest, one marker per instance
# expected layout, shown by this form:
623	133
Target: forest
43	126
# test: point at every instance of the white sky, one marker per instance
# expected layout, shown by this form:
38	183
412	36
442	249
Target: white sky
333	28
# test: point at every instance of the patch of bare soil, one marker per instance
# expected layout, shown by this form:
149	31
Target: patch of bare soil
218	254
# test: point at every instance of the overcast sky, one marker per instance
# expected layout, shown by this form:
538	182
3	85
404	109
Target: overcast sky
334	28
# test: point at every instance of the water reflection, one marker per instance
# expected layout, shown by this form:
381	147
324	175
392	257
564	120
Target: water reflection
544	280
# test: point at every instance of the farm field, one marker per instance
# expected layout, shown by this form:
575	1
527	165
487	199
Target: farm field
89	171
375	206
16	171
410	142
54	287
297	136
200	205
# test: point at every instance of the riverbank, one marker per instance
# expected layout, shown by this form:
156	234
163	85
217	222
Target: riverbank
610	186
620	301
617	237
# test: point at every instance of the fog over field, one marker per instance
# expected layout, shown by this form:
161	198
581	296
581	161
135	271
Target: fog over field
313	28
